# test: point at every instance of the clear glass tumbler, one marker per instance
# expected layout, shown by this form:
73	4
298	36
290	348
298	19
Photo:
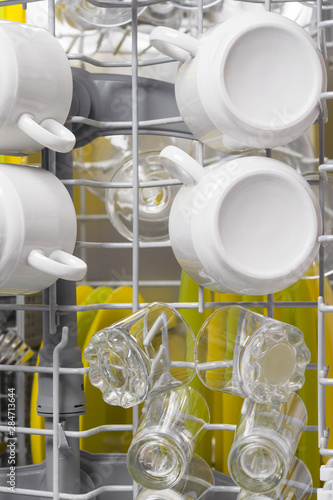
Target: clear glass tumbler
166	438
83	15
296	486
155	200
265	442
149	352
196	481
247	354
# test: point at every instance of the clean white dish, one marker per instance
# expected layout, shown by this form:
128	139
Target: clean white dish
252	81
248	225
36	91
38	231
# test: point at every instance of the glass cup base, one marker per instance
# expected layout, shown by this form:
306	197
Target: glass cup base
272	364
117	367
257	464
156	462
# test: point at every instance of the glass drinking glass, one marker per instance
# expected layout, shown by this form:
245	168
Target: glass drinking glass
265	442
166	438
82	14
296	486
148	352
196	481
162	14
193	4
302	14
155	201
247	354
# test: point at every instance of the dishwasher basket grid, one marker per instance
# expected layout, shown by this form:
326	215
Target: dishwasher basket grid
67	472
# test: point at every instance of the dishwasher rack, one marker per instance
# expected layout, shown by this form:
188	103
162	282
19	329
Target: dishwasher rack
61	399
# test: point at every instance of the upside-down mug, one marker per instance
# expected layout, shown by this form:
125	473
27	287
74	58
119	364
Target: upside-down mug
252	81
36	91
248	225
38	231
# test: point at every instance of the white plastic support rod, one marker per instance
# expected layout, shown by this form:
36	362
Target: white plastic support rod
182	364
53	308
55	386
201	300
326	238
324	96
165	340
325	308
326	381
325	167
151	334
321	365
323	442
125	124
161	322
20	322
155	362
44	369
135	197
214	365
221	427
226	489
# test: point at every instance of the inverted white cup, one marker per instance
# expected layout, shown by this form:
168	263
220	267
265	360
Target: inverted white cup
36	91
252	81
38	231
248	226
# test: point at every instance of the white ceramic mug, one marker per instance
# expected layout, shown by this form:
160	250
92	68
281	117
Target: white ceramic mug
248	225
36	91
252	81
38	231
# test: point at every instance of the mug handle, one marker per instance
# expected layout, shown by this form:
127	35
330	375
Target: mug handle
60	264
181	165
173	43
49	133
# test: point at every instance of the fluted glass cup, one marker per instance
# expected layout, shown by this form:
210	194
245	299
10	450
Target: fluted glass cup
296	486
196	481
244	353
265	442
149	352
83	15
166	438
